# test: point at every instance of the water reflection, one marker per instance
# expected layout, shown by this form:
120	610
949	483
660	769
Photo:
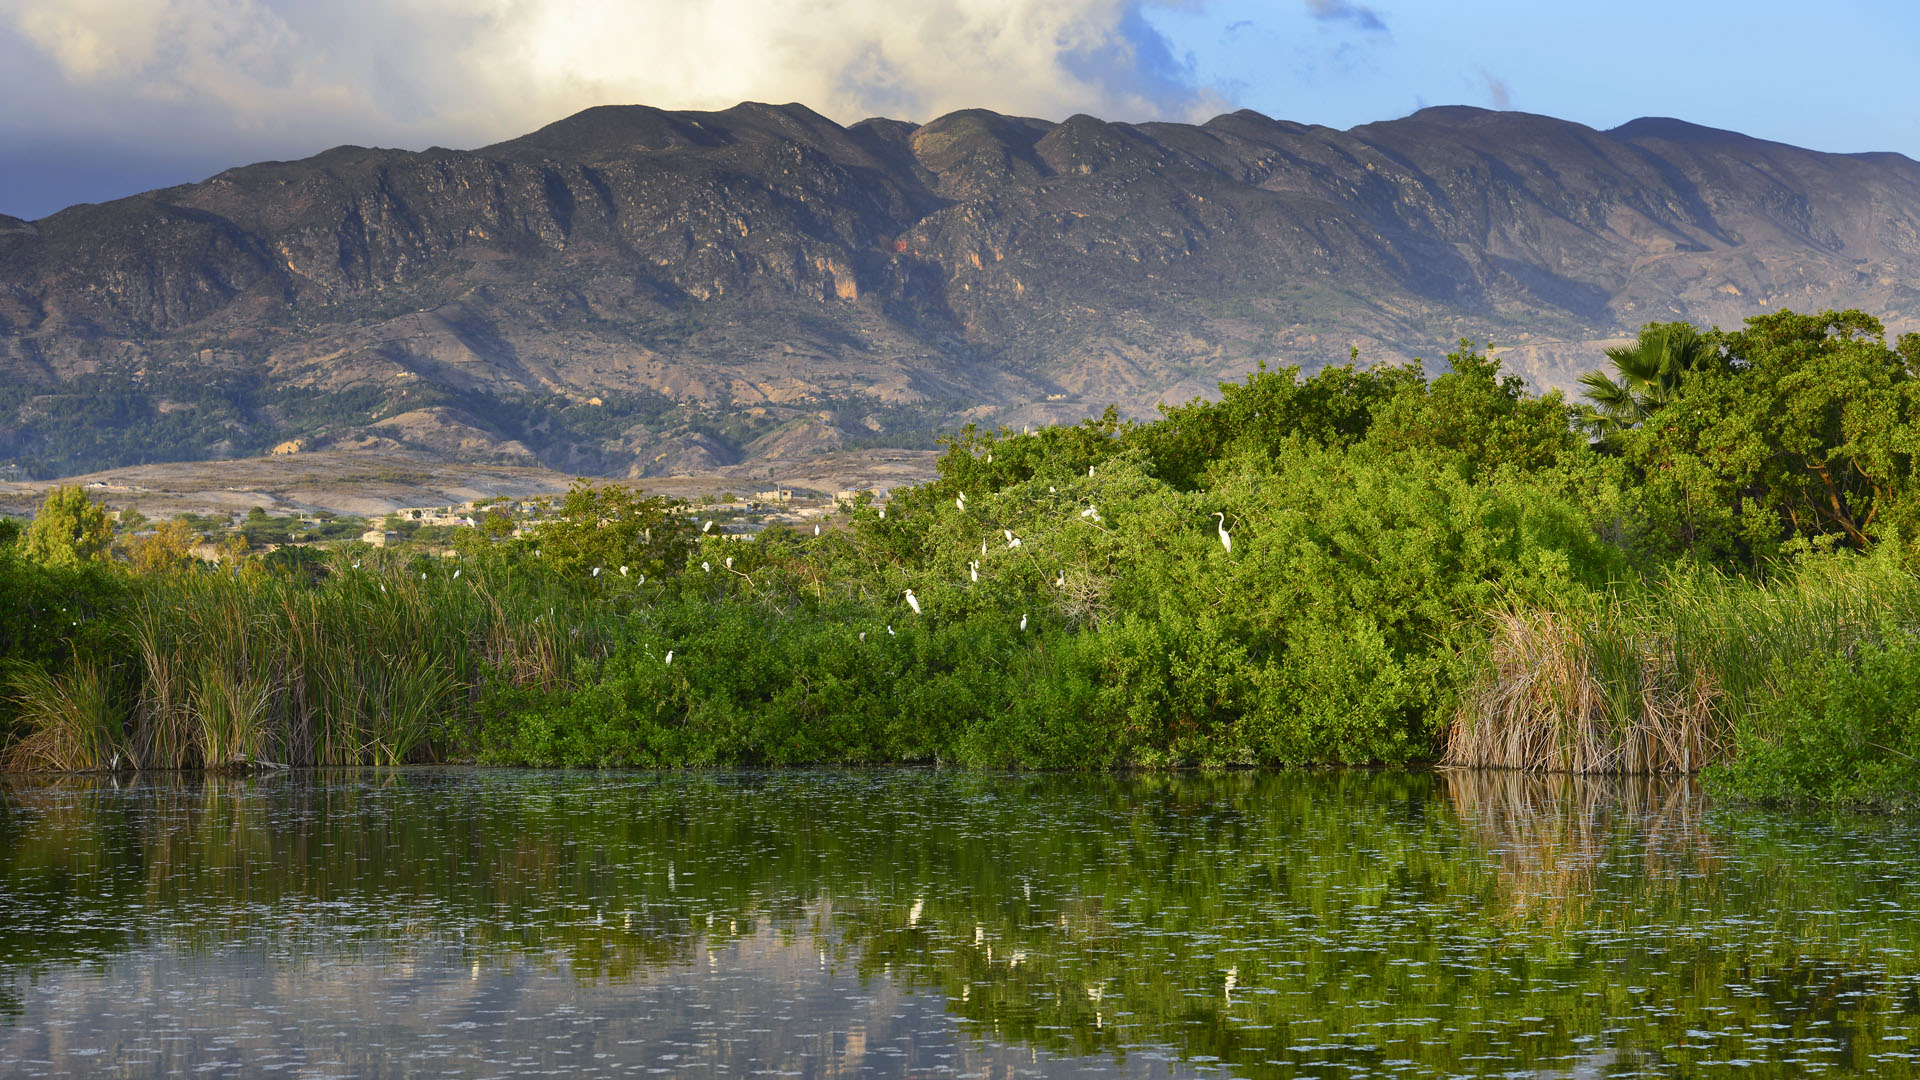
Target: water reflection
916	923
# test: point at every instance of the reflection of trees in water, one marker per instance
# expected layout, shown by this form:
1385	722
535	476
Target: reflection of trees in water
1426	917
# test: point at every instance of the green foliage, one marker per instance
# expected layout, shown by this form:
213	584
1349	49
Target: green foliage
610	526
1844	729
1804	435
1651	372
69	529
1400	545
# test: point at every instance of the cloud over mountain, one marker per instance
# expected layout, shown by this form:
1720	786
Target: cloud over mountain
413	71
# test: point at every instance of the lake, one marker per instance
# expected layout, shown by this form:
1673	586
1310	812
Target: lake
448	922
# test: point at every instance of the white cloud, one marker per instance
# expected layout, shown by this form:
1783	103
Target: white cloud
419	71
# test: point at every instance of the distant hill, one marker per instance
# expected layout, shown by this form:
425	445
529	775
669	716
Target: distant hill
637	292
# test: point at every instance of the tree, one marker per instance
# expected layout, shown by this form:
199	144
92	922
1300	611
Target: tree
1652	371
1809	429
69	530
168	547
612	526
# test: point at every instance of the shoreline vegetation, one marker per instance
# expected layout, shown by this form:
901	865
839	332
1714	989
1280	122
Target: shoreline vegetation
1709	565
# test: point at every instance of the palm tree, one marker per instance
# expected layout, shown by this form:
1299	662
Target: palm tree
1651	372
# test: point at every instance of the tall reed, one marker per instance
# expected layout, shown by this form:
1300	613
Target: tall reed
381	663
71	723
1652	676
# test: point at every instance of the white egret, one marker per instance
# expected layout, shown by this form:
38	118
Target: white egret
1089	470
1023	620
643	579
729	562
983	549
707	566
596	571
961	502
913	602
356	564
383	586
890	632
1225	540
816	530
423	575
863	635
883	513
1060	580
456	575
989	458
1051	490
707	526
1091	512
669	657
973	569
623	571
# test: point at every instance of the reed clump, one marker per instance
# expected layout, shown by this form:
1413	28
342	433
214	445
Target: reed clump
70	720
379	662
1657	676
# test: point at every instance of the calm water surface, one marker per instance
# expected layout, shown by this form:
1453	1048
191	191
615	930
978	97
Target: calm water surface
911	923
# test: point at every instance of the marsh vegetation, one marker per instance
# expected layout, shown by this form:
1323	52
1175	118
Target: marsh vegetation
1708	567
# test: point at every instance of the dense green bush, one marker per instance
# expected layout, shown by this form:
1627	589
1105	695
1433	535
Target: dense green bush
1845	729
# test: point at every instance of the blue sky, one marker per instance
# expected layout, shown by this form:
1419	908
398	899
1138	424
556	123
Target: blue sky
102	98
1841	75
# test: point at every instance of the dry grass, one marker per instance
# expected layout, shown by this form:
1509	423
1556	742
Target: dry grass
1552	697
1654	677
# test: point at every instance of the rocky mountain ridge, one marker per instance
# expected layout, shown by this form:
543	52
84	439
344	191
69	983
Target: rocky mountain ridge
631	291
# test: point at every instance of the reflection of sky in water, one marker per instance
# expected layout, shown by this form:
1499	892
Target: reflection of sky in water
757	1007
915	923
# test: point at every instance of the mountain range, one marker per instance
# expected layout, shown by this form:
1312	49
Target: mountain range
637	292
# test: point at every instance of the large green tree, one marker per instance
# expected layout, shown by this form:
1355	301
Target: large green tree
69	530
1805	432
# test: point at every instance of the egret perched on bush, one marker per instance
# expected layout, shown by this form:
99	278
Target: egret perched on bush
596	571
913	602
973	568
729	562
961	502
623	572
1225	540
707	566
669	657
1023	620
707	526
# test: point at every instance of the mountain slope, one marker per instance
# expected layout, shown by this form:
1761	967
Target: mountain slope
632	291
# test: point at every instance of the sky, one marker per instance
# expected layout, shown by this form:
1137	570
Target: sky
105	98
